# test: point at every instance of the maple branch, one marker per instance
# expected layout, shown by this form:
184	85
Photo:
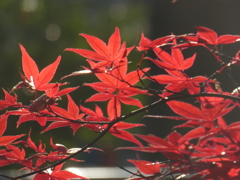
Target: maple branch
231	77
73	121
141	58
112	66
154	92
112	123
225	56
122	80
232	60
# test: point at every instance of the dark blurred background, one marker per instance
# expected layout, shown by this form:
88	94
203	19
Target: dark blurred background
46	27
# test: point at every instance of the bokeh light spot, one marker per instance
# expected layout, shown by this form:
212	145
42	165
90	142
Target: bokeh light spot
53	32
29	5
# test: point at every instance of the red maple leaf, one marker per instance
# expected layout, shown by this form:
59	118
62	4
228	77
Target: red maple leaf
33	79
206	36
173	61
146	44
5	140
112	53
55	94
27	114
117	86
178	81
172	147
204	116
229	132
57	174
16	155
29	143
9	101
117	130
3	123
37	110
69	117
211	37
147	167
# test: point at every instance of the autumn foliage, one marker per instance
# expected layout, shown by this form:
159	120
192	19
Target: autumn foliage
210	148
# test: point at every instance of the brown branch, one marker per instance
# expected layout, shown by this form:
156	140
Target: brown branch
78	121
163	100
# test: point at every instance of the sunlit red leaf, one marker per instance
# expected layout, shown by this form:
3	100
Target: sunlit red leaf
99	97
186	109
228	39
146	44
31	143
114	108
175	61
114	43
97	44
71	113
3	123
174	137
196	133
125	125
55	125
61	92
47	73
4	140
16	155
189	62
9	98
73	109
113	52
30	68
130	101
146	167
155	140
9	101
124	135
30	117
67	117
211	36
207	34
57	174
36	80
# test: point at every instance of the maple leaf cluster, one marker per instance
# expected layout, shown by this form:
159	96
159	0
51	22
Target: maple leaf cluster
215	151
209	150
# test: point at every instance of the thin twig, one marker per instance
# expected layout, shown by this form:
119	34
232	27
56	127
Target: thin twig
135	174
112	123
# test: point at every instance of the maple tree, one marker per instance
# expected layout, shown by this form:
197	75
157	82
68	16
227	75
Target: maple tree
208	150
